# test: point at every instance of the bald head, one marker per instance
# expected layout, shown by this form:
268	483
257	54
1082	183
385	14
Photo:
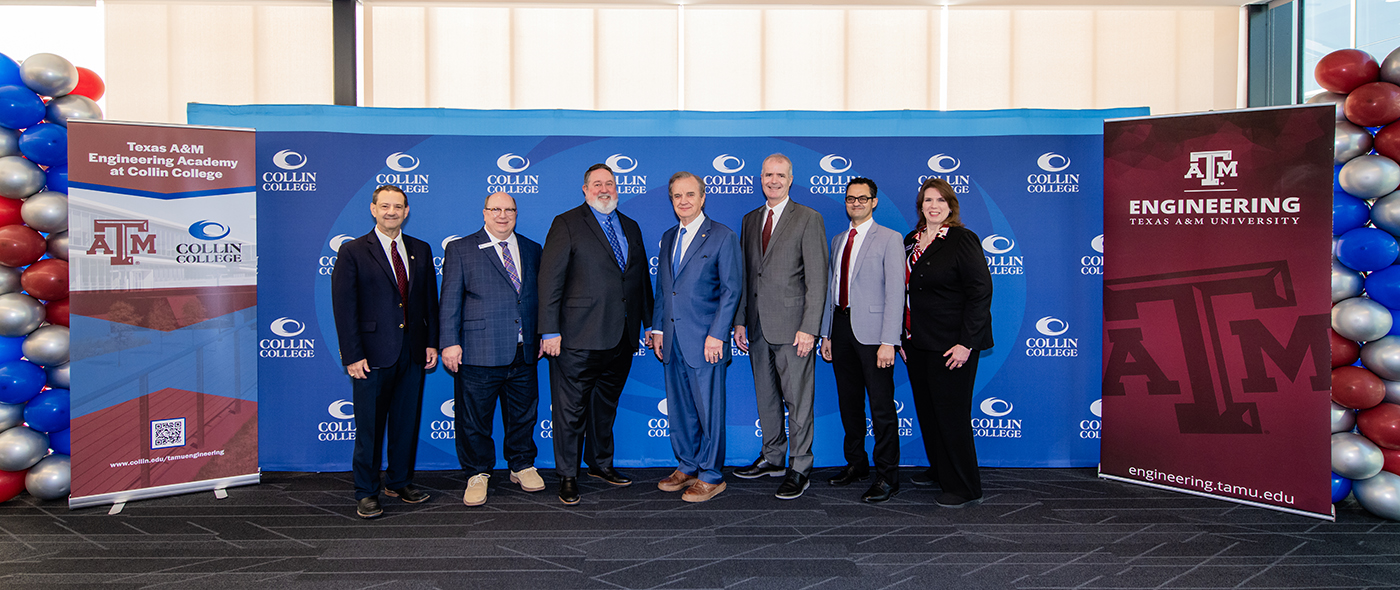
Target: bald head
498	215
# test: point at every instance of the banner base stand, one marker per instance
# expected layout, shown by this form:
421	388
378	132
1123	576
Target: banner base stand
1330	517
119	499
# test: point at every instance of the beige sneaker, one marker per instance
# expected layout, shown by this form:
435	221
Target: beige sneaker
476	490
528	478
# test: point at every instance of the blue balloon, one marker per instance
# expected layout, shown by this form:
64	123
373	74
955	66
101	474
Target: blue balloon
1367	249
20	381
57	178
20	107
9	72
45	144
11	349
1341	488
1348	213
1383	286
48	411
61	442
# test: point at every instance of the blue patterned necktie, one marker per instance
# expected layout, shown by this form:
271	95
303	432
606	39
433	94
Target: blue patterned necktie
676	256
616	246
510	266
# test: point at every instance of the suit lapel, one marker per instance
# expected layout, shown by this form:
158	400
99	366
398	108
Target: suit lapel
867	248
780	229
591	221
492	258
933	247
668	245
376	250
695	244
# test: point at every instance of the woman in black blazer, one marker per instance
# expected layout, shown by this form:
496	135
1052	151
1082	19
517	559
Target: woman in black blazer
948	320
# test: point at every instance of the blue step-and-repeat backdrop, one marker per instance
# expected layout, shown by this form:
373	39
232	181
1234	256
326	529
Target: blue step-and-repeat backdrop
1030	184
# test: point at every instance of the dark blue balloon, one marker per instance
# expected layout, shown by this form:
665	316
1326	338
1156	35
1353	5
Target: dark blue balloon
20	381
1341	488
9	72
19	107
45	144
1367	249
57	178
11	349
1348	213
48	411
1384	286
61	442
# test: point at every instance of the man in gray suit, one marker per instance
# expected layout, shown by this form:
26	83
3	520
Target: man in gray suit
860	330
779	316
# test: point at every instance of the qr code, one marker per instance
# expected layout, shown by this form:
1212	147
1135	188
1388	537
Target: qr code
167	433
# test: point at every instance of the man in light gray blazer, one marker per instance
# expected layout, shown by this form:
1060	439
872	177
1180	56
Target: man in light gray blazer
860	330
778	320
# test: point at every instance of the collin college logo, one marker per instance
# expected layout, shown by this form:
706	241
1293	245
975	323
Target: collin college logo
403	166
627	184
833	182
1090	428
1053	179
286	344
999	262
996	425
209	249
728	181
943	166
445	429
327	263
1093	264
1212	168
512	181
129	237
289	177
659	427
342	427
1050	342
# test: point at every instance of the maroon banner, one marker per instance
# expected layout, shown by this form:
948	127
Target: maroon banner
1217	375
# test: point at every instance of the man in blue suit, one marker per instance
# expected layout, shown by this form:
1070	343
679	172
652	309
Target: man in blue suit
489	308
384	294
699	279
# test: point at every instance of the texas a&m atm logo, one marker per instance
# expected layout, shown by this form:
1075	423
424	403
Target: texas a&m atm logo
129	236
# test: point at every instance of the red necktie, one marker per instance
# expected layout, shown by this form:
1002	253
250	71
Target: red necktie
400	272
767	230
845	287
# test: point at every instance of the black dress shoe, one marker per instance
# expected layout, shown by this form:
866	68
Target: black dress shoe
793	486
925	479
568	490
610	475
849	473
880	491
948	500
368	507
760	468
408	494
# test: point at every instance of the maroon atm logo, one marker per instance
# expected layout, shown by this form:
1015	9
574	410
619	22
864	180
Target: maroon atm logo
129	236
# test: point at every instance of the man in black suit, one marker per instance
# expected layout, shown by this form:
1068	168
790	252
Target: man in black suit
384	293
595	296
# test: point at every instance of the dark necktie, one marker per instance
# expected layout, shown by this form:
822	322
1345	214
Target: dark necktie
616	246
767	230
400	272
845	287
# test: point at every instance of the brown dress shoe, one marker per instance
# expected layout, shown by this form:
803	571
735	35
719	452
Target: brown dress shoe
701	491
677	481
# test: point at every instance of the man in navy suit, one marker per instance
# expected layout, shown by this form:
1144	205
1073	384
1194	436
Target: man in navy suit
699	279
489	306
595	296
860	330
384	294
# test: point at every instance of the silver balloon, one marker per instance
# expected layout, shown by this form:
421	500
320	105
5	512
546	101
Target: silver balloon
1368	177
47	346
58	245
1343	418
9	142
46	211
48	74
58	376
1361	319
51	478
1379	495
11	415
1392	391
1382	357
1351	140
1353	456
22	447
1346	283
19	177
20	314
74	106
9	279
1340	100
1390	67
1385	213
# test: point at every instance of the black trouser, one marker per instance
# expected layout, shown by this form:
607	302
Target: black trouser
856	375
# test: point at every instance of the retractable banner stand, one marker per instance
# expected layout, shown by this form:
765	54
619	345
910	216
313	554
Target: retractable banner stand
163	265
1030	184
1216	374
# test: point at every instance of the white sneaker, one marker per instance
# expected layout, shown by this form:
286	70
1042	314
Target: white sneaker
476	490
528	478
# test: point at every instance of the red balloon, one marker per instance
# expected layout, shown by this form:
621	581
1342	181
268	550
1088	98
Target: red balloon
56	312
1392	461
1374	104
1388	141
9	212
1356	388
1344	69
89	84
46	279
20	245
1381	424
1344	351
11	484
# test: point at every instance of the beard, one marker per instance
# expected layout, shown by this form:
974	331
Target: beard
606	208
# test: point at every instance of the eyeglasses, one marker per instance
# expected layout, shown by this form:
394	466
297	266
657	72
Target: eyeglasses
861	200
498	210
